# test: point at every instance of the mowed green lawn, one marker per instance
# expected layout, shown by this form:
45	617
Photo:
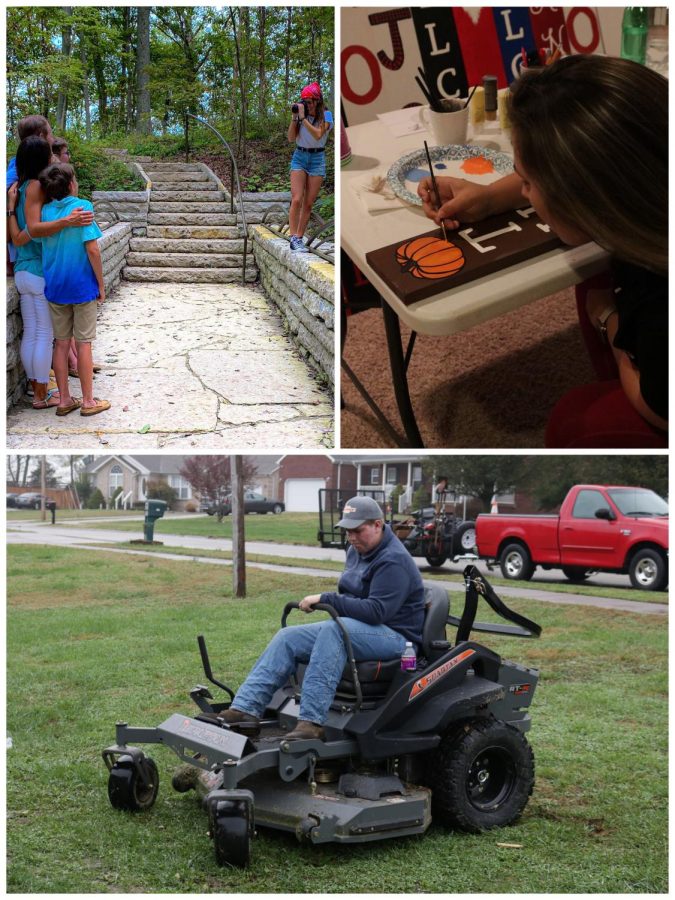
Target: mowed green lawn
286	528
94	638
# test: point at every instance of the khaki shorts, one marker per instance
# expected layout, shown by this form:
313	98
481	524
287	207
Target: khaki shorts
76	320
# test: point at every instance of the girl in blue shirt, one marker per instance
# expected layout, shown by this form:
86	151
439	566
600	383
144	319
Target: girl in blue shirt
308	165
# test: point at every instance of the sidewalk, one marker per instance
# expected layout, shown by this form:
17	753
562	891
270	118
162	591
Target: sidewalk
187	366
79	538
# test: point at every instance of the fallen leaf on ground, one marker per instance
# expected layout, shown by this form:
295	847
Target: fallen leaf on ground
144	429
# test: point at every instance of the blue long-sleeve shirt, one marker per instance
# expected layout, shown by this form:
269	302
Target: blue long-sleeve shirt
383	587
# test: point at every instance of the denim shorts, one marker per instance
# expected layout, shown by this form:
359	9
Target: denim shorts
312	163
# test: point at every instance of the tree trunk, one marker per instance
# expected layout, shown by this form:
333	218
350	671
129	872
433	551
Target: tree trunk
62	99
143	120
238	537
243	115
85	89
287	61
129	92
262	73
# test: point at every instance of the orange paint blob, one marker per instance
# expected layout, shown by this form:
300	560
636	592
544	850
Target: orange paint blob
477	165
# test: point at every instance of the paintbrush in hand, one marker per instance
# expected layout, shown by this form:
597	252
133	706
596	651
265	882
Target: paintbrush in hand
435	187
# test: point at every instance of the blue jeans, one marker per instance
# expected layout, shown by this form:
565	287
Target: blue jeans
322	646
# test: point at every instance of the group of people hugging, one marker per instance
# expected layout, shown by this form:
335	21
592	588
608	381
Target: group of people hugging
56	263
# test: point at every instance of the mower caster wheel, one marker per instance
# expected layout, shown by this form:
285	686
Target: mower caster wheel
232	841
129	791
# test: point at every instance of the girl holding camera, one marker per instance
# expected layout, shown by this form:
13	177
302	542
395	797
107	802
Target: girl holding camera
309	127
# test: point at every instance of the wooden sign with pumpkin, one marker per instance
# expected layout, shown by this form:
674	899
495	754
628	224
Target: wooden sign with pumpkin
426	265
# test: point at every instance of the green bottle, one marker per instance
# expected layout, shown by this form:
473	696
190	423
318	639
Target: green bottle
634	30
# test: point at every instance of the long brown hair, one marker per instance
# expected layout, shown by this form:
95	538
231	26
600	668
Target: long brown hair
592	132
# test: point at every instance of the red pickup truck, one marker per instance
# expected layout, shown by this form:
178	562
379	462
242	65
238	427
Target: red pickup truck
600	529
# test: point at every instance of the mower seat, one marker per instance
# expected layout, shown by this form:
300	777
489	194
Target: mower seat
375	676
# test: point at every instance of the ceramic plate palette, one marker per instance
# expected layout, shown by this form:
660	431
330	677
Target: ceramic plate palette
423	266
477	164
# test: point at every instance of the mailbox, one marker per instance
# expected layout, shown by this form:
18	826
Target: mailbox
154	509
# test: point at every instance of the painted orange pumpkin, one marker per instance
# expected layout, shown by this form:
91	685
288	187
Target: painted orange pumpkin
430	257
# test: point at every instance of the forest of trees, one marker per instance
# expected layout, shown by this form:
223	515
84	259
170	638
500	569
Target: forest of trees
111	72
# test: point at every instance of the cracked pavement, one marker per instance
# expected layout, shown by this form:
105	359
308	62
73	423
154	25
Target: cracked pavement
188	366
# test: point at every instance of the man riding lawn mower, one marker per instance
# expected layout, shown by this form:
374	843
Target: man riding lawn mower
333	736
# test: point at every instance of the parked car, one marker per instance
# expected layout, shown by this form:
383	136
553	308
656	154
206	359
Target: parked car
30	500
11	501
600	529
253	503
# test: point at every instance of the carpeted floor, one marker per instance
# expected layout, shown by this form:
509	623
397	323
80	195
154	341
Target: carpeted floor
492	386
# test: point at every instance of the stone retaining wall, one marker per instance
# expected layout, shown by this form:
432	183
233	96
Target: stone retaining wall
256	205
114	246
303	288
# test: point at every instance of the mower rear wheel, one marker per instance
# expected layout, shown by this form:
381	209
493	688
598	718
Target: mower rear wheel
128	791
232	841
481	776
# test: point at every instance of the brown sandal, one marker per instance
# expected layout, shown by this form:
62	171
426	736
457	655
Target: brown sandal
101	406
64	410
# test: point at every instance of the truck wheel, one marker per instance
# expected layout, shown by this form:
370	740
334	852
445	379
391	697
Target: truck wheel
465	538
128	791
648	571
516	563
575	573
232	841
436	561
481	776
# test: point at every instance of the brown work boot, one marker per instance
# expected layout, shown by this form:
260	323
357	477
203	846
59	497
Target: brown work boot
305	731
238	720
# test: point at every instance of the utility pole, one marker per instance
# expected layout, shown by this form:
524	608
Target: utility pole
43	487
238	540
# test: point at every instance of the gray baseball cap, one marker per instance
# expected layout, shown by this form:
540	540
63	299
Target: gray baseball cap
359	510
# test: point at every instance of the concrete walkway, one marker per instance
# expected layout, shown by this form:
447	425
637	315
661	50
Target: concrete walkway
80	537
189	366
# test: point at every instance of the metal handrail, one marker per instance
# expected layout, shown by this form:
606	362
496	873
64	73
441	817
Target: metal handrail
234	174
324	227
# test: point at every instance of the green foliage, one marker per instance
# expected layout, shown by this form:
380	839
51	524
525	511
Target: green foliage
115	494
160	490
548	477
393	497
84	489
325	206
421	497
95	500
240	66
98	171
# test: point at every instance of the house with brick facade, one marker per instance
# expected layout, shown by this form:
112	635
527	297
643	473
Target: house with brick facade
293	478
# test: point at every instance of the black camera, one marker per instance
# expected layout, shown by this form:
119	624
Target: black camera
295	109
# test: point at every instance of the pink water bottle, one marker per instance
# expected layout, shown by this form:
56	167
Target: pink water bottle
408	658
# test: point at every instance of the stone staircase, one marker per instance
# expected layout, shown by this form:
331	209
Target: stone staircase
192	237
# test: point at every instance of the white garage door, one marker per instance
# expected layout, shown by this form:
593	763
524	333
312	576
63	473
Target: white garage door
302	494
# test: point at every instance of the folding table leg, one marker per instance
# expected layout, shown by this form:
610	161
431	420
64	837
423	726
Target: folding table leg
398	362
